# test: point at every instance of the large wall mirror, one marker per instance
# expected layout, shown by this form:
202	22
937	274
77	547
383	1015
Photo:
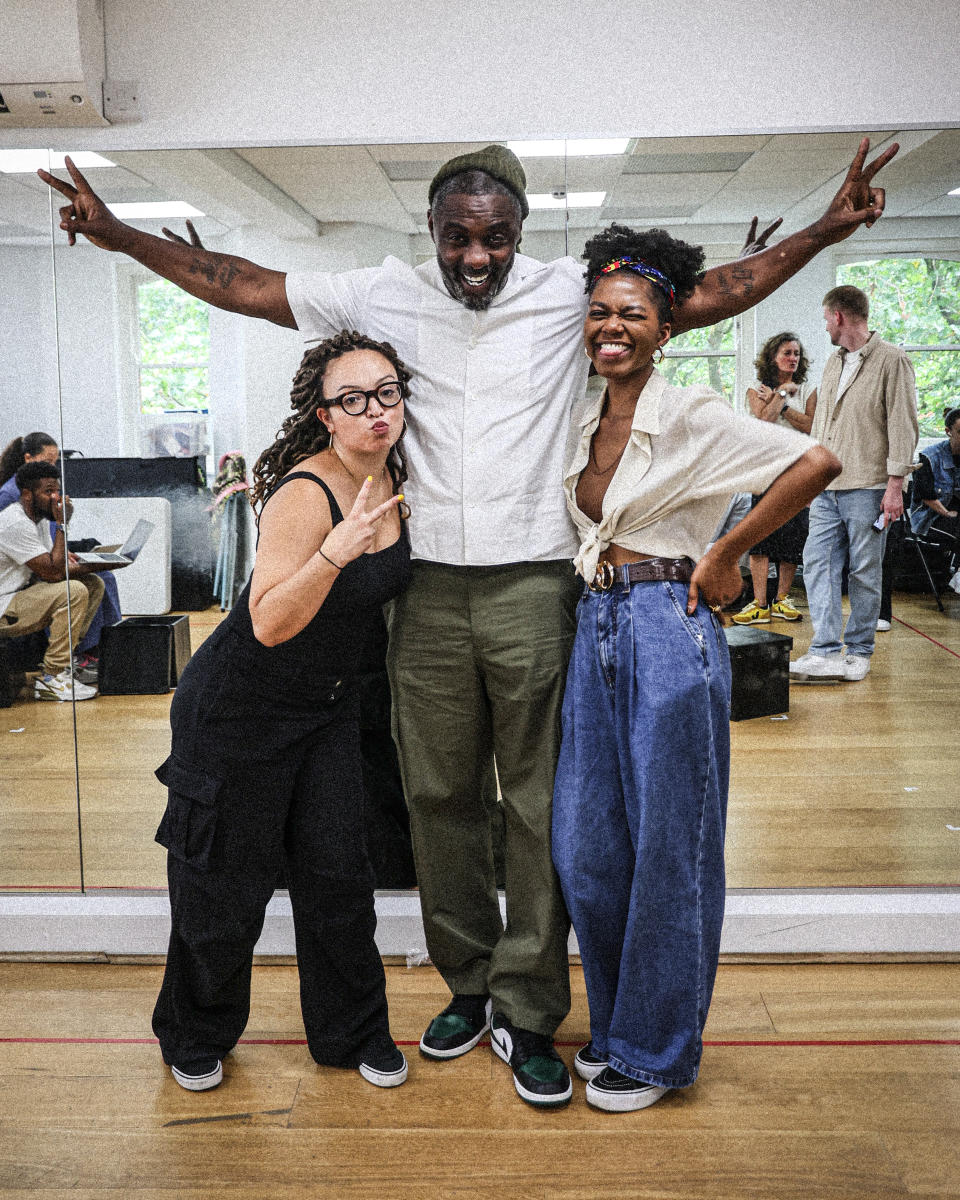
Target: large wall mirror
836	795
40	833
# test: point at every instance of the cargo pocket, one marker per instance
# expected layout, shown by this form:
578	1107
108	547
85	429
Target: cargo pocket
188	828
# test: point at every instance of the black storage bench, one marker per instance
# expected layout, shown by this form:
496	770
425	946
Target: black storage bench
143	655
760	670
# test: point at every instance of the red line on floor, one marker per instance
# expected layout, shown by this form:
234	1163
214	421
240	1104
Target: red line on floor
927	636
65	1041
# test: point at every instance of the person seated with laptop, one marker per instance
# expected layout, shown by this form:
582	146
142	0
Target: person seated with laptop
41	447
34	590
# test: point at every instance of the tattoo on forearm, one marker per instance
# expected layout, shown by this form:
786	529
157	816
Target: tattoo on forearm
740	282
744	277
221	275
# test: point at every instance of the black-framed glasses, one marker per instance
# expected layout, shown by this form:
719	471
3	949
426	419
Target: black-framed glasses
355	403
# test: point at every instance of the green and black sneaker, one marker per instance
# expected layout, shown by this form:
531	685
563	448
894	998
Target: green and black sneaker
458	1028
539	1073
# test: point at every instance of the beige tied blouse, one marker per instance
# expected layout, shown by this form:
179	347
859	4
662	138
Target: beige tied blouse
687	453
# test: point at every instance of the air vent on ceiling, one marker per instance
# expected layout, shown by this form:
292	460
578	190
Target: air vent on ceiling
685	164
409	172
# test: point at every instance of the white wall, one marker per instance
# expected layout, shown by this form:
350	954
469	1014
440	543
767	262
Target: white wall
236	72
28	359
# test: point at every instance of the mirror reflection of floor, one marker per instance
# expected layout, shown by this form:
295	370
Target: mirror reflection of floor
858	787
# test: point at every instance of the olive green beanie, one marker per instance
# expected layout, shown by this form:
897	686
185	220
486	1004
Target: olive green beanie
499	162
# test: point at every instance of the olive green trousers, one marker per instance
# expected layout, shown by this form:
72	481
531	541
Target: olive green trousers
477	661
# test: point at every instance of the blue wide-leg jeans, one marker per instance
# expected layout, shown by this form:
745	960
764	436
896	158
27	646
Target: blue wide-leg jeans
639	818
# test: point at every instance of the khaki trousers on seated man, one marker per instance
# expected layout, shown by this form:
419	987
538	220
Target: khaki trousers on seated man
40	605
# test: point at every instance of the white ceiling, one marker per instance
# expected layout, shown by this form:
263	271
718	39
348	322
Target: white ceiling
711	187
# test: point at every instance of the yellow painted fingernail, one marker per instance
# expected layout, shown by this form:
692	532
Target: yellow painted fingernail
369	479
400	497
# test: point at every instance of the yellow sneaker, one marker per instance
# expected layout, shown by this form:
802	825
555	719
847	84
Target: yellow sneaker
753	614
783	609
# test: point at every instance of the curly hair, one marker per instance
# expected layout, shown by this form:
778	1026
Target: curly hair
15	453
303	434
679	261
767	370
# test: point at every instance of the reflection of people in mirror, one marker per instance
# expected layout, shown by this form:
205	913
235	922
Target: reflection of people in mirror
867	415
264	773
936	483
41	447
34	590
480	642
641	791
780	394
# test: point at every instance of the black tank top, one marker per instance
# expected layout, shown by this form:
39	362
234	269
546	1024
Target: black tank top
335	640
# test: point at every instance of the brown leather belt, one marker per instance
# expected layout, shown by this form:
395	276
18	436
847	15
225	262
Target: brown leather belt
647	570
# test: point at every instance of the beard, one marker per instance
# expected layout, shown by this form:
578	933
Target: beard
455	286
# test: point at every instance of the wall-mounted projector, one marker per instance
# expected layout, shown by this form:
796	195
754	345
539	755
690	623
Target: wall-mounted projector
51	63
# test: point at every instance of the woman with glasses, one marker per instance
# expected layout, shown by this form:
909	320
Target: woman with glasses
264	773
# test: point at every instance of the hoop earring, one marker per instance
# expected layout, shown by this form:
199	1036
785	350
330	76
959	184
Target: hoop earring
656	361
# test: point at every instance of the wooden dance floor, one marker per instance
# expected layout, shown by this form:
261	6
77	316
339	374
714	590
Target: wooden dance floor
839	1081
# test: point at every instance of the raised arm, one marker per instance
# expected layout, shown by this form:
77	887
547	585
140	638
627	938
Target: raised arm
737	286
228	282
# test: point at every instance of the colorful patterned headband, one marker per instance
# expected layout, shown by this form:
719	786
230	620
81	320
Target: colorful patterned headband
657	278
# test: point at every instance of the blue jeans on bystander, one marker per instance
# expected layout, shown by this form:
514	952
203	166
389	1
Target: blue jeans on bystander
841	526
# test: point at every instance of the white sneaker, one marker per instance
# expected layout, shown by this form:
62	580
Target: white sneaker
856	667
818	666
883	626
62	687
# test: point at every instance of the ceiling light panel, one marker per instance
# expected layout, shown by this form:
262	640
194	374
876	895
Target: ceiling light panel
154	210
572	147
570	200
23	162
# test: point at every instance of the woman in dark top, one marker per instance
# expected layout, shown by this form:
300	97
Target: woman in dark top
264	773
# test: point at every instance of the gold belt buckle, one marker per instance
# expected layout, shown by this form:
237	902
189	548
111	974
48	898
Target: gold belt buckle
604	579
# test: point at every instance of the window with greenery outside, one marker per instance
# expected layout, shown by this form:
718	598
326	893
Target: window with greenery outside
174	349
703	356
915	303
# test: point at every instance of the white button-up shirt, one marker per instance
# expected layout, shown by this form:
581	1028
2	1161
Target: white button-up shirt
491	401
687	453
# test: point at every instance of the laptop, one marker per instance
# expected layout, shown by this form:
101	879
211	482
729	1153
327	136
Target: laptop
120	556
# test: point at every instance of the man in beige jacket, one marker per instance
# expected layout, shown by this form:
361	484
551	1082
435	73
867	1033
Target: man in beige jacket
867	415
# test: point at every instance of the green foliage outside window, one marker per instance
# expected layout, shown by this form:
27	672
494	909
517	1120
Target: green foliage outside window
916	302
717	373
174	348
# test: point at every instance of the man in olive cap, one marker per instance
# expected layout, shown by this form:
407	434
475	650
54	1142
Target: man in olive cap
480	641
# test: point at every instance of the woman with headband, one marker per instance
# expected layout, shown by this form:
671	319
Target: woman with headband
641	787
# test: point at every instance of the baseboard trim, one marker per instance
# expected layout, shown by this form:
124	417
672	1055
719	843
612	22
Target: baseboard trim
790	922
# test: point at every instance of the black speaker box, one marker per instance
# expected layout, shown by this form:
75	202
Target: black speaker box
143	655
760	672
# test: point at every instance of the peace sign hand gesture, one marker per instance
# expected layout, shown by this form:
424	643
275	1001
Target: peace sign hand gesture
86	213
856	203
356	532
